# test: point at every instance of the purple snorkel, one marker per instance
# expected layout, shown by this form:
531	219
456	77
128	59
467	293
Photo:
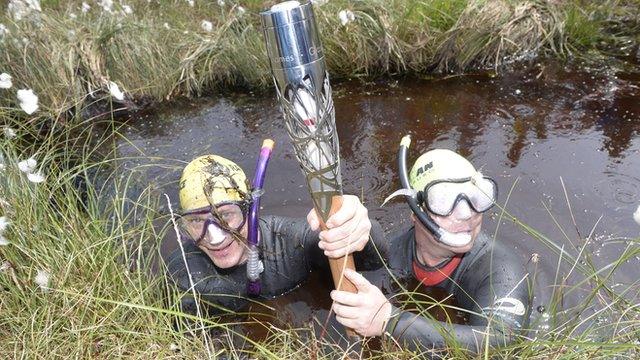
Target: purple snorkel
254	265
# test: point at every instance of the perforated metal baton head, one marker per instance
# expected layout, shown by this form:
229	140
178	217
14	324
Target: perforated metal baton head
302	85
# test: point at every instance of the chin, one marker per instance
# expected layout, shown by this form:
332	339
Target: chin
226	262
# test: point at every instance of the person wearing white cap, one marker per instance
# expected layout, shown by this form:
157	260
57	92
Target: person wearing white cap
444	248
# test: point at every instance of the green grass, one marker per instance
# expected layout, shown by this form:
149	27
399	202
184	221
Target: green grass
160	51
103	299
582	30
99	247
90	256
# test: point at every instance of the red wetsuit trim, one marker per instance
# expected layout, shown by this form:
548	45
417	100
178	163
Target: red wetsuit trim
436	275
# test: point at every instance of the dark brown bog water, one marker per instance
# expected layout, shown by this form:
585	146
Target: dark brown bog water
533	130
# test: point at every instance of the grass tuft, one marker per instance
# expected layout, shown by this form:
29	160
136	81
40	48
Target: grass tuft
159	51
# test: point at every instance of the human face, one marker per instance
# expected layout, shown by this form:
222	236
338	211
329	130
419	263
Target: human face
463	220
221	234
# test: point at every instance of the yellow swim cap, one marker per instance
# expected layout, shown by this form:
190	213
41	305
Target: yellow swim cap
211	180
439	164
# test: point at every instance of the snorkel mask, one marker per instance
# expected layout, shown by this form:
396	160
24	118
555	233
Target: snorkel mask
214	198
443	195
216	221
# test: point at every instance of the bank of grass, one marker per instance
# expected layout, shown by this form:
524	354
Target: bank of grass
160	51
102	299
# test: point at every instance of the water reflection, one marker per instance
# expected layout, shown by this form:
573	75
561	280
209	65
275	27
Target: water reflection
528	129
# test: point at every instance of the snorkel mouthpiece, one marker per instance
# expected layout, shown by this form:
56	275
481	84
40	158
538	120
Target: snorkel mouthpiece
216	235
441	235
454	240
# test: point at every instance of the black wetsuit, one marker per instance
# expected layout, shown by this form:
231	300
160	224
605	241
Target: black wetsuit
289	251
487	282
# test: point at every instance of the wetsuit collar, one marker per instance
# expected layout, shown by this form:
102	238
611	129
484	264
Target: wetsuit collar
434	275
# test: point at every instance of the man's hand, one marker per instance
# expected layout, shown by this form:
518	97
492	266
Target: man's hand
366	312
348	228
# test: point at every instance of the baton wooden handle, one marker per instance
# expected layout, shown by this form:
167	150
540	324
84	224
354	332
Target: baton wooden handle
338	265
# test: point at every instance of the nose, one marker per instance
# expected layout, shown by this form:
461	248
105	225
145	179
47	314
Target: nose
216	235
462	210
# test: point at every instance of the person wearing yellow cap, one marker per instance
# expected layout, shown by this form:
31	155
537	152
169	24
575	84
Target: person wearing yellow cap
214	205
444	248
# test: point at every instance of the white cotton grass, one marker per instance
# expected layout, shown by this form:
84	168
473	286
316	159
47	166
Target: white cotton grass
33	4
4	223
28	101
191	3
3	31
85	7
5	81
20	9
36	178
27	166
9	133
127	10
206	25
107	5
241	10
220	2
42	279
115	91
636	215
346	16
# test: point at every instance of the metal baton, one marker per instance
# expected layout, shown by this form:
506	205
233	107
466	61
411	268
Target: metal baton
302	85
